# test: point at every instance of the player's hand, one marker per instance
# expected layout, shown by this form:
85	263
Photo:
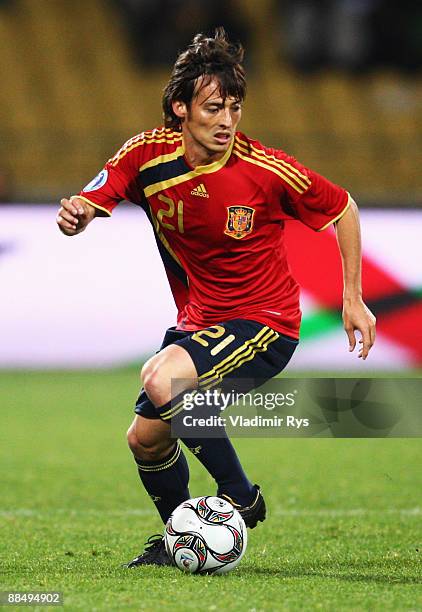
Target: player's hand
358	317
74	215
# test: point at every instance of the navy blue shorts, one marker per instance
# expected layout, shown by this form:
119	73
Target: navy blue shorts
238	349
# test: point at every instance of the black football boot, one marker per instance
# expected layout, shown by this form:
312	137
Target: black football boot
254	513
154	553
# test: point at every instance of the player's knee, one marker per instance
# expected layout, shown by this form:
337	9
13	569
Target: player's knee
150	450
148	446
154	384
132	440
145	371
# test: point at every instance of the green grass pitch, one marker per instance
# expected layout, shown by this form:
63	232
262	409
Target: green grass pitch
344	529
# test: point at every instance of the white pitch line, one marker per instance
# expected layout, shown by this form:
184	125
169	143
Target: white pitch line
330	513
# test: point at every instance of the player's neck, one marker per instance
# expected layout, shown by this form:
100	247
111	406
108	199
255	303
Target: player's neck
196	154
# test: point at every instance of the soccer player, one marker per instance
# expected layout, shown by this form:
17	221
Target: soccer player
217	201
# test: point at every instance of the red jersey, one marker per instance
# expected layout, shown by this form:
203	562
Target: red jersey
220	227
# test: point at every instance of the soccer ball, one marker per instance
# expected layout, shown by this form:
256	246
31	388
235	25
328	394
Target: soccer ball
205	535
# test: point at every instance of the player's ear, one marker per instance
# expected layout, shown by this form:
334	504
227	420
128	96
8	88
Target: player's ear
179	109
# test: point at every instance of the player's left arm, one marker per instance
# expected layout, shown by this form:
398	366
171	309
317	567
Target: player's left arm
356	315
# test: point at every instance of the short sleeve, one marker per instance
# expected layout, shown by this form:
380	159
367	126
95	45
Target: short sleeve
321	204
114	183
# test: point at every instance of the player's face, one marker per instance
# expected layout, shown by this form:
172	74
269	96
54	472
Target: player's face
209	123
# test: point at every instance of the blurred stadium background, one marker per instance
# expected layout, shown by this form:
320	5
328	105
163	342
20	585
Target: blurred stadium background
335	83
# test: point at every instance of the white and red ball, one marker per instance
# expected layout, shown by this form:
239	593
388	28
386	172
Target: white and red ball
205	535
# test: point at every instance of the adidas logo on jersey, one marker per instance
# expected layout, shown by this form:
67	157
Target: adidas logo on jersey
200	191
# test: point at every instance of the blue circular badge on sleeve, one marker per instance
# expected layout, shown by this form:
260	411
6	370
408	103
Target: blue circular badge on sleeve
97	182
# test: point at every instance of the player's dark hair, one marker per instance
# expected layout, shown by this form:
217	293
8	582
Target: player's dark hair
205	57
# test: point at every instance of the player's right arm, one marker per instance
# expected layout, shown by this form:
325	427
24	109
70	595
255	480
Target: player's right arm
117	181
74	215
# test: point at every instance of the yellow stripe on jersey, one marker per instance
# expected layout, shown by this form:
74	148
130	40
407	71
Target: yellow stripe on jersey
285	174
93	204
176	180
321	229
162	159
144	139
268	167
151	135
273	158
116	160
207	169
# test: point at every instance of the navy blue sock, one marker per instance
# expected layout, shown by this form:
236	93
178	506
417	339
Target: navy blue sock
217	455
219	458
166	481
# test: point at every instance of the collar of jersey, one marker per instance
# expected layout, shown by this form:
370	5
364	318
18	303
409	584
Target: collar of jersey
213	166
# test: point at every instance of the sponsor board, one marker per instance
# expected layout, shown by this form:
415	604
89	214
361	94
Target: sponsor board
101	298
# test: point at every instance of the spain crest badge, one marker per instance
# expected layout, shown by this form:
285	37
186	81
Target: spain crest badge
239	221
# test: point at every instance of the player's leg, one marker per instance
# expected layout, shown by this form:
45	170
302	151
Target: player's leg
166	376
161	463
216	454
162	466
248	353
168	373
149	439
174	363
